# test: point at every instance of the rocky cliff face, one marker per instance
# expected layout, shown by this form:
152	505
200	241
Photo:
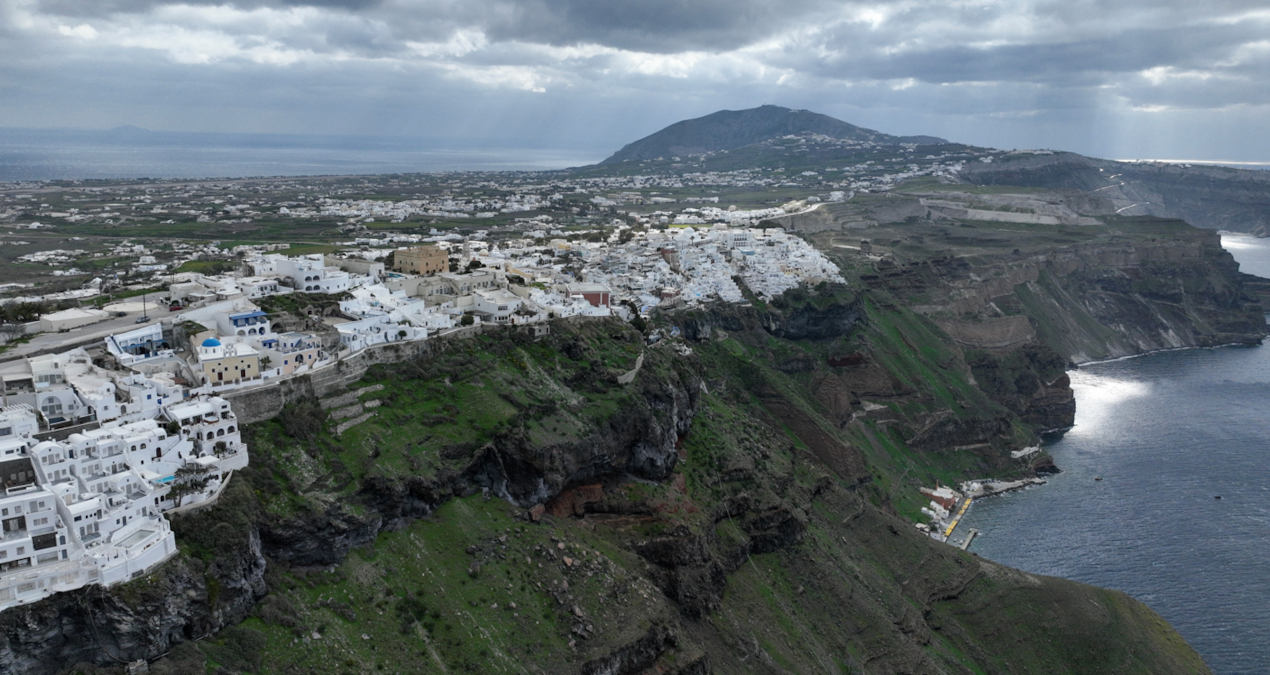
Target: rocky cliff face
1089	300
789	317
189	597
639	440
1211	197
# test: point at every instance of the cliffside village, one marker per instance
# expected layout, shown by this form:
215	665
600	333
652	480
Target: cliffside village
98	442
96	448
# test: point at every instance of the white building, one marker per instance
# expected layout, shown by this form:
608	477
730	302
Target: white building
293	352
138	344
358	335
496	306
432	318
308	274
88	509
71	318
201	288
260	287
374	300
248	322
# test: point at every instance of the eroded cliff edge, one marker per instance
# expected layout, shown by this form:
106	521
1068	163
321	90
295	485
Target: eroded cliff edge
1091	284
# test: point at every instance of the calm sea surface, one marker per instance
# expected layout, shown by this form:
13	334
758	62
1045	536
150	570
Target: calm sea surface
1167	433
39	154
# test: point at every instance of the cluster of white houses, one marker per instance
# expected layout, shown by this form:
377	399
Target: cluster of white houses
675	267
92	457
236	344
525	282
90	460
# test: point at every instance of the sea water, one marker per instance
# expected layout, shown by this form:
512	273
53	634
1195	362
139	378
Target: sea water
1167	433
36	154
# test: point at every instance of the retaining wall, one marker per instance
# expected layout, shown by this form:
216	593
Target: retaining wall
261	403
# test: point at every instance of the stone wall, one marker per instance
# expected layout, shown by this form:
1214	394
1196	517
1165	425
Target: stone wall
261	403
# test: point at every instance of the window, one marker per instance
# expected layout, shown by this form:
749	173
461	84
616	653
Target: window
51	407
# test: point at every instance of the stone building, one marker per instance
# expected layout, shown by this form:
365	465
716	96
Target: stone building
421	260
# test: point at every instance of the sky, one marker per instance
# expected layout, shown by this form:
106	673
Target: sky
1163	79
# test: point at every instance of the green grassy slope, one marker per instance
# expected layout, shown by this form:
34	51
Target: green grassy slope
779	538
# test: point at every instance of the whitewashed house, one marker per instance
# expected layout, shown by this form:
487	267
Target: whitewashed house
374	330
308	274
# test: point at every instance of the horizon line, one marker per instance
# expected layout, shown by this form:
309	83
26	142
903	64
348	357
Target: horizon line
1197	161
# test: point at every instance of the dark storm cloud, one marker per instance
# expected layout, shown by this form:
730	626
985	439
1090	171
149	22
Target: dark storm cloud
904	66
1063	63
645	25
102	8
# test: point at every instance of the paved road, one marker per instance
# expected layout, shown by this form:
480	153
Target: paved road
91	333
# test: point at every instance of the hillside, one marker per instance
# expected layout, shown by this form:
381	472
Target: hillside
1213	197
732	129
514	509
998	266
744	505
797	141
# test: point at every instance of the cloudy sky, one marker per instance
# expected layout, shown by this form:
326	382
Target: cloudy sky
1111	78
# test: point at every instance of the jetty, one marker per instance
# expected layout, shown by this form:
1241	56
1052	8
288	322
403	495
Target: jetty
957	518
948	506
978	489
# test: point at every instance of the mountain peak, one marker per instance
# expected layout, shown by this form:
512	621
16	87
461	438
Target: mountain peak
730	129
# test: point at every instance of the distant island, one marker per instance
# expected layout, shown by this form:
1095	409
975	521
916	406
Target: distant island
731	129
